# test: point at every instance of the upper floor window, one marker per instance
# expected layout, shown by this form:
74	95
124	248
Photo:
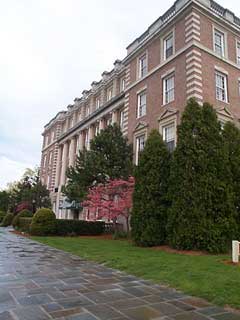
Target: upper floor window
168	46
87	111
238	52
221	87
142	104
48	139
97	129
140	144
219	46
123	84
50	158
44	161
97	103
168	89
122	118
109	94
53	135
169	135
142	66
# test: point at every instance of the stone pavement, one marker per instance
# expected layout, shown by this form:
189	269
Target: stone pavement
39	283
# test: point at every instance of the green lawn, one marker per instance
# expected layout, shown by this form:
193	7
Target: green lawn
203	276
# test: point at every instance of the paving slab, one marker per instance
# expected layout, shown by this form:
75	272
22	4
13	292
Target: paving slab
38	282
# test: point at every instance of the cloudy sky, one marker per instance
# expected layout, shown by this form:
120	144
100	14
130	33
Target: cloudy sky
50	51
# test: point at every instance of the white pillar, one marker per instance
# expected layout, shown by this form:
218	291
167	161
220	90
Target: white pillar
64	164
91	133
101	124
115	116
72	151
115	87
235	251
80	141
58	168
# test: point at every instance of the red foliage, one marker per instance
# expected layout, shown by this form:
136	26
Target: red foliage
25	205
111	200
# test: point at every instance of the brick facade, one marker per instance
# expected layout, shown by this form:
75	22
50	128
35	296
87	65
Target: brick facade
190	51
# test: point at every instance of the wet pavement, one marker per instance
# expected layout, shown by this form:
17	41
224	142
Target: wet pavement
39	283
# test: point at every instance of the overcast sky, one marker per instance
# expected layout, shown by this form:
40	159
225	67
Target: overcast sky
50	51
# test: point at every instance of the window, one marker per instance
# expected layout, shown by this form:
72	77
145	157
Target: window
87	111
169	135
109	94
53	135
168	89
122	118
168	46
44	161
140	143
142	71
87	140
97	129
221	87
109	120
142	105
238	52
97	103
123	84
219	47
50	158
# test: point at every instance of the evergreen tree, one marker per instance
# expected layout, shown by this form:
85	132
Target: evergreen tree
231	136
202	215
149	214
109	157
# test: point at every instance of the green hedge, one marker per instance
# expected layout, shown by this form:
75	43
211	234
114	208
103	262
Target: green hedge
7	220
24	224
79	228
43	223
2	215
22	214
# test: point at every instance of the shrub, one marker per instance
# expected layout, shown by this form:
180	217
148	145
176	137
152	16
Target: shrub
24	224
43	223
79	228
22	214
7	220
202	215
2	215
149	214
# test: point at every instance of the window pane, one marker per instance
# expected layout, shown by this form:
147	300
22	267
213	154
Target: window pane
168	46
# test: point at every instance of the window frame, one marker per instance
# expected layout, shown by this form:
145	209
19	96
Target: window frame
142	70
137	146
238	52
165	39
223	40
139	106
165	91
225	87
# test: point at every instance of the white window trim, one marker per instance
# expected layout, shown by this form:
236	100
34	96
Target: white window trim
225	48
139	76
172	75
163	39
166	122
225	85
136	143
138	104
237	44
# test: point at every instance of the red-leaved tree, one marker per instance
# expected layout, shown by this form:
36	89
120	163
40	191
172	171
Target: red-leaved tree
111	200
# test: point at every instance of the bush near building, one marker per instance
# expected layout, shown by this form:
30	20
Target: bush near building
43	223
24	224
150	204
7	220
79	228
22	214
202	215
2	215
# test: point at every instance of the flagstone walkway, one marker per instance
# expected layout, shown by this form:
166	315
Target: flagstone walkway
39	283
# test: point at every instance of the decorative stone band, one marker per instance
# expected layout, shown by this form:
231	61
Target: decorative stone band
194	75
192	27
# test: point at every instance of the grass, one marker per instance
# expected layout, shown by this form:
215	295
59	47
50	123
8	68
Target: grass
206	276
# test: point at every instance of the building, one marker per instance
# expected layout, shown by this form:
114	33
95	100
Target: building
192	50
